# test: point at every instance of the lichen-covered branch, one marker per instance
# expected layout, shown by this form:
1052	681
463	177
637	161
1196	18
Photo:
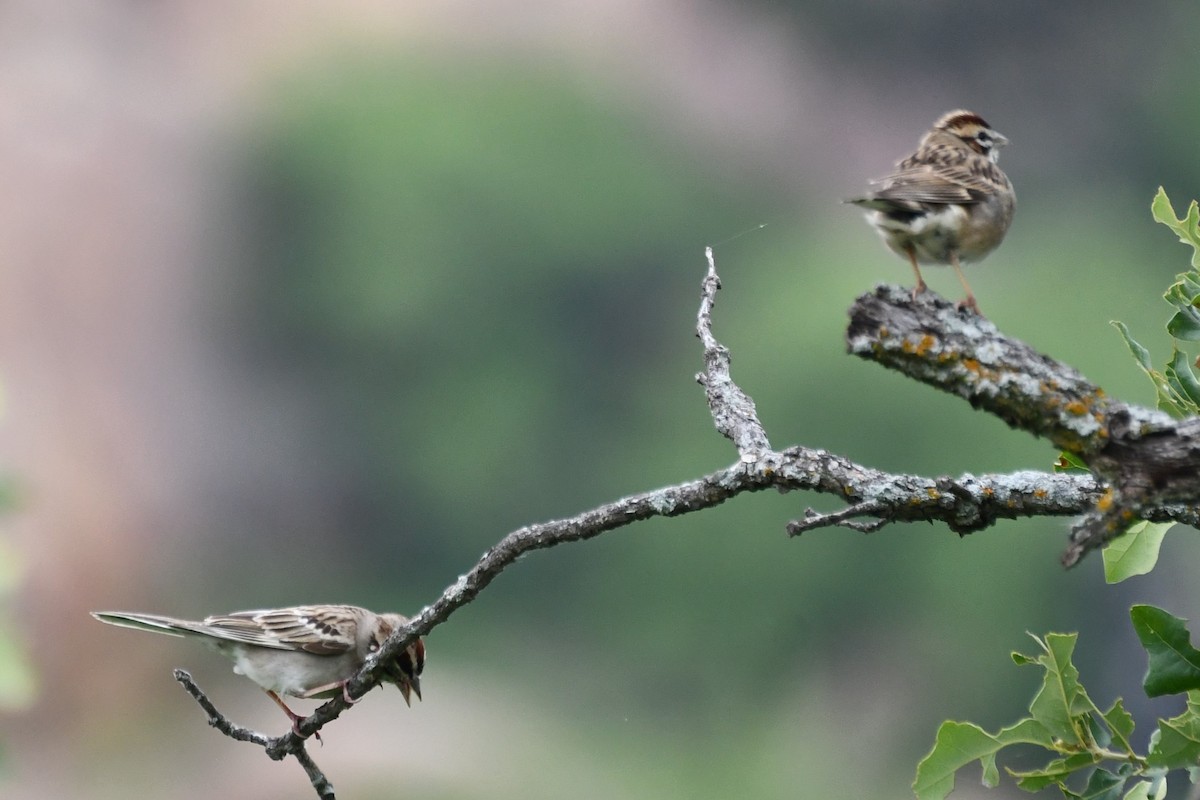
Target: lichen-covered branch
929	340
732	410
1145	458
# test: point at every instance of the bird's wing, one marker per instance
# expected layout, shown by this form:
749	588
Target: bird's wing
939	177
321	630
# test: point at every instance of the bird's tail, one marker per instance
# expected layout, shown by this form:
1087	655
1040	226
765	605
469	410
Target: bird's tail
146	622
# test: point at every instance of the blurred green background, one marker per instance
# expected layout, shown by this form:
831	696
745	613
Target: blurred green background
315	304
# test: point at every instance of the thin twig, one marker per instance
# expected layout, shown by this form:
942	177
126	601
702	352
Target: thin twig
814	519
231	729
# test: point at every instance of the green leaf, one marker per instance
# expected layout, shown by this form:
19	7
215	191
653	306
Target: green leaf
1022	660
1166	399
1140	354
1148	790
1069	462
1174	664
1160	207
1183	381
1120	722
1176	743
1061	698
959	743
1134	552
1103	785
1187	228
1055	772
1182	294
1185	324
1098	730
1191	282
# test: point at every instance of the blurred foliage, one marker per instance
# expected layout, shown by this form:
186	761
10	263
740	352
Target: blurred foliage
500	248
18	684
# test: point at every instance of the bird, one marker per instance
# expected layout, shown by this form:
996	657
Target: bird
309	651
948	202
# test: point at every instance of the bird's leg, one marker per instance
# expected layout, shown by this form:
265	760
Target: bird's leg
292	715
912	259
969	300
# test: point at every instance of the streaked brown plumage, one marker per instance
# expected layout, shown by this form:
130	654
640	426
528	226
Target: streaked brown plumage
948	202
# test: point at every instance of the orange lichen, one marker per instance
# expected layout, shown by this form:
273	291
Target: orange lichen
923	346
933	493
1106	500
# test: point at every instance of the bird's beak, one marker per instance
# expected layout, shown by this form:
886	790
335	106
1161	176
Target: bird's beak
999	140
408	687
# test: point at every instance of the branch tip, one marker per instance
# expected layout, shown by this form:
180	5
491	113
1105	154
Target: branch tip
733	411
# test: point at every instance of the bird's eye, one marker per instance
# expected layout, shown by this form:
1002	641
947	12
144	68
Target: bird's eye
984	138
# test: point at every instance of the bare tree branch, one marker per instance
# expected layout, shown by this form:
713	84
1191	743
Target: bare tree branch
1137	453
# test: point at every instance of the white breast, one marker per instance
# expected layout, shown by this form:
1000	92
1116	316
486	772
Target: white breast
931	235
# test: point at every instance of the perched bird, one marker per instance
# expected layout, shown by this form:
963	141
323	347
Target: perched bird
947	202
304	651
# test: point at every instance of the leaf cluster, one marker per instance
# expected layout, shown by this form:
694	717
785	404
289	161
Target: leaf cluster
1176	385
1091	751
